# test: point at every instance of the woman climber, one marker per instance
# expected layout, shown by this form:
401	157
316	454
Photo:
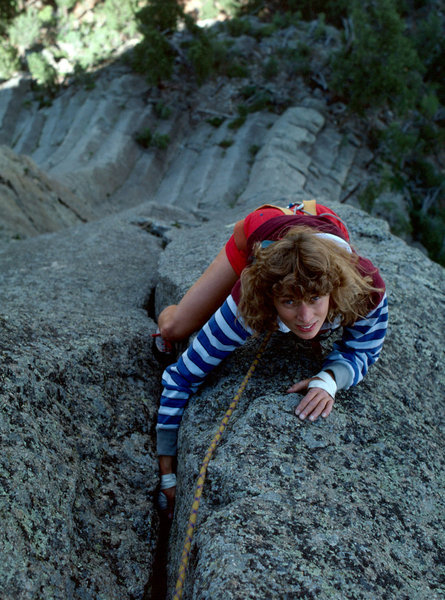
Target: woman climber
291	270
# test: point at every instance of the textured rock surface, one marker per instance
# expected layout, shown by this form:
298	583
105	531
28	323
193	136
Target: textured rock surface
348	508
351	507
85	140
31	203
79	391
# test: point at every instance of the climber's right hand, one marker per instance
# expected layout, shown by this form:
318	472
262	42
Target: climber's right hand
166	501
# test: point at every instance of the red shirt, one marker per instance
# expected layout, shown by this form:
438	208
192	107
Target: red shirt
270	223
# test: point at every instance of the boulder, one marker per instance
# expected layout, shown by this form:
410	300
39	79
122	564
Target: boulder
78	391
347	507
31	203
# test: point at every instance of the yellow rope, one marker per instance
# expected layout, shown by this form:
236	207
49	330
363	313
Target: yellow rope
202	473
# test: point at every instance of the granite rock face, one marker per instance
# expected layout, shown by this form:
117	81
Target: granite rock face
31	203
79	391
348	507
351	507
84	143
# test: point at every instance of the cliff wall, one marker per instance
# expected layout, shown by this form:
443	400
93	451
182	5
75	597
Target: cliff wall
348	508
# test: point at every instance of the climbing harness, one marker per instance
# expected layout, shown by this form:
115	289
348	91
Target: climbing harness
308	208
202	473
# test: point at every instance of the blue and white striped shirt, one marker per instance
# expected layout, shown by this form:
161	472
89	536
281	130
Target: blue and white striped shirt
349	361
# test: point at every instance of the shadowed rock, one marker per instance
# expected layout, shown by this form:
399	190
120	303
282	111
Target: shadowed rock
31	203
79	392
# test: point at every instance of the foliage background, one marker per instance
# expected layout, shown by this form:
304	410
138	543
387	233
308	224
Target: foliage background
388	71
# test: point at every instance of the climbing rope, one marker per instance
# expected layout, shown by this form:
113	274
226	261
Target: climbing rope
202	473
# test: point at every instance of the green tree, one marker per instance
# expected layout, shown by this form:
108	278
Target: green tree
334	10
154	55
379	65
9	62
430	43
162	15
8	10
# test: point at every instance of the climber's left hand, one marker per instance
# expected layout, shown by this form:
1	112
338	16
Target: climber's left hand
317	402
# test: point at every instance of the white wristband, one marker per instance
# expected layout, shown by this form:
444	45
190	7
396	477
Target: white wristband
168	481
162	501
325	382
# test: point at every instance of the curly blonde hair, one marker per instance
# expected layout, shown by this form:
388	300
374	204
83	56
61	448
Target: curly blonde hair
302	265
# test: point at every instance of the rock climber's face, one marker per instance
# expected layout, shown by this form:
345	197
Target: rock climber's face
303	317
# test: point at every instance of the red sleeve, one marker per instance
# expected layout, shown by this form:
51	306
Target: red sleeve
236	247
